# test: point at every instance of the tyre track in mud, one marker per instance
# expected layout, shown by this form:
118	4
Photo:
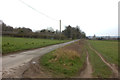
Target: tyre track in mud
87	73
112	67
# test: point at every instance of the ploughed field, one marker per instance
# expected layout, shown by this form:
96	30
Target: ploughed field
13	44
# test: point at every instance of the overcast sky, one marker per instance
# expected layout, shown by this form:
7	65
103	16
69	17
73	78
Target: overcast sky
98	17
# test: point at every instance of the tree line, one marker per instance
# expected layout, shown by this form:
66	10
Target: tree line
69	32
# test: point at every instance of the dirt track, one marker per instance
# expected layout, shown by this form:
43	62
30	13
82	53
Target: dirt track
111	66
87	73
14	65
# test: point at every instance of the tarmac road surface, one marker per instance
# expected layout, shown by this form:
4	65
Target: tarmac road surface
11	61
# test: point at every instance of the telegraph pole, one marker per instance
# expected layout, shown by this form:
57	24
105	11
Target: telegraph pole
60	29
60	26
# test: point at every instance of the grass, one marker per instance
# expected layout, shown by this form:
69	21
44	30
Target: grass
63	62
0	44
67	61
12	44
100	69
109	49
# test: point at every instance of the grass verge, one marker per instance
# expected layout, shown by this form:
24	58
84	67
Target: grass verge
64	62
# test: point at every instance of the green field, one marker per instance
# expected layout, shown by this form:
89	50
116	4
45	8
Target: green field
12	44
100	69
108	49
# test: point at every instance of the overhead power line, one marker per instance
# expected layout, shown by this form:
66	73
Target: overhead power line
37	10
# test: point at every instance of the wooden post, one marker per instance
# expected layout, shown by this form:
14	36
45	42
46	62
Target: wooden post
60	29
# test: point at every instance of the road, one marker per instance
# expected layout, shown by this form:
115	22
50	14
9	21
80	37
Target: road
10	62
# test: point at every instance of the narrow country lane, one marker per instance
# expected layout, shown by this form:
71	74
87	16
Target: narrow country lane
16	63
